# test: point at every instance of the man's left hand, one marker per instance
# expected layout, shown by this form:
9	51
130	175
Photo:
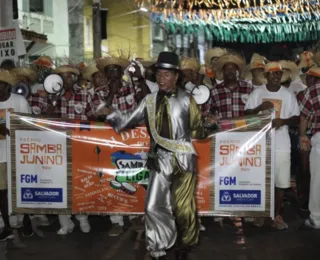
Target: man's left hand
277	123
137	72
211	119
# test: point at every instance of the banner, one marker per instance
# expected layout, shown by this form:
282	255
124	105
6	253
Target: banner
8	44
111	176
240	171
107	173
41	169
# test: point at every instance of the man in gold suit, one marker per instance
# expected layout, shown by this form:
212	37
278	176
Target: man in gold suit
173	119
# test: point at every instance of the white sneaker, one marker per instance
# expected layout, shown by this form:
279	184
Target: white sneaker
85	226
202	227
66	224
310	223
248	219
66	230
14	222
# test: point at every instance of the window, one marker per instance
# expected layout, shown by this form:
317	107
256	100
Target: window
36	6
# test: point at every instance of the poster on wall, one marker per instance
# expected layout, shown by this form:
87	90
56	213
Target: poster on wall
41	169
8	49
240	171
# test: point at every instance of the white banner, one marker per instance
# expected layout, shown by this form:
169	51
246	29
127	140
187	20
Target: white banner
41	169
240	171
8	44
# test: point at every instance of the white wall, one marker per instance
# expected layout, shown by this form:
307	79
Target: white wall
56	27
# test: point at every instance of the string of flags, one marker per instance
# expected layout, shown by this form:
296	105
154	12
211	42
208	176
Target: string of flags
293	21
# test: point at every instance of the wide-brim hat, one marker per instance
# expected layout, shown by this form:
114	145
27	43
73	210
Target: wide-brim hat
26	72
270	67
236	59
66	69
257	61
190	63
313	71
292	68
168	60
7	77
44	61
90	71
214	53
306	60
106	61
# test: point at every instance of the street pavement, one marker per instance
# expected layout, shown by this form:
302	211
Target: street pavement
236	240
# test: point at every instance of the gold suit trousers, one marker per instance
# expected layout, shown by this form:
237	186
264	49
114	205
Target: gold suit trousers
170	211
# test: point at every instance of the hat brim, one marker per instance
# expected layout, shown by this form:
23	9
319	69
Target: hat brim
262	77
167	66
229	58
26	72
7	77
87	75
61	70
105	62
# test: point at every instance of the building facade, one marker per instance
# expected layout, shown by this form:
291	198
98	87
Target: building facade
48	17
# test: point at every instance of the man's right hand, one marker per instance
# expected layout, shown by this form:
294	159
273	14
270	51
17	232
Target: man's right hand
305	143
115	85
104	111
266	105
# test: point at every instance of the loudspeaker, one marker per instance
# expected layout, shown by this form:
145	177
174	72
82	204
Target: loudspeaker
104	17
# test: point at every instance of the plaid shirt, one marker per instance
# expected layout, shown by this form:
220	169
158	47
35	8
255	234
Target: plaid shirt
310	106
125	100
78	107
226	102
38	104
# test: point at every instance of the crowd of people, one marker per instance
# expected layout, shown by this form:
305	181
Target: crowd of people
112	84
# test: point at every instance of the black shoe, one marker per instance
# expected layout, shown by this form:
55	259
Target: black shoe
27	227
27	231
182	255
5	235
305	206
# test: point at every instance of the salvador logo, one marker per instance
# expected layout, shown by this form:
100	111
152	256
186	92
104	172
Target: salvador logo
226	197
27	195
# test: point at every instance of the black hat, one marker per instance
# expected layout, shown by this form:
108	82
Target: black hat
168	60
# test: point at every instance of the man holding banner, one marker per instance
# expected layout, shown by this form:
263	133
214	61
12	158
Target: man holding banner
16	103
273	95
173	119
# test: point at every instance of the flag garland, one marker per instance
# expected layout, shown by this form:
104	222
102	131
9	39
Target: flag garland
261	24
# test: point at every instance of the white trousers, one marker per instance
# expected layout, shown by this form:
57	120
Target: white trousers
314	200
64	220
119	219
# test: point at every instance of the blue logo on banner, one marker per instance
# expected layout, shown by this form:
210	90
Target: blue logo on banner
41	195
240	197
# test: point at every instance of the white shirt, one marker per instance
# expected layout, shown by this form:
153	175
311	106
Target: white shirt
286	106
250	82
297	86
18	104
